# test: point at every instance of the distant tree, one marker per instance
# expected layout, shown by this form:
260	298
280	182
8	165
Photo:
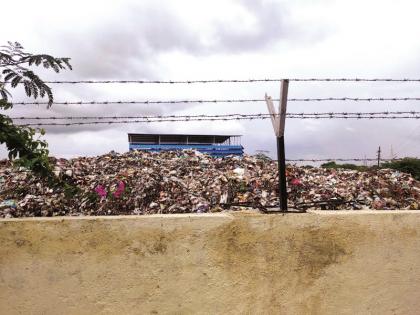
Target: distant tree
23	147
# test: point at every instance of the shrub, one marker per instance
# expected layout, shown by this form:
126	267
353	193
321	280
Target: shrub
406	165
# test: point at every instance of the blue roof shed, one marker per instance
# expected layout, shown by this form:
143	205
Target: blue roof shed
214	145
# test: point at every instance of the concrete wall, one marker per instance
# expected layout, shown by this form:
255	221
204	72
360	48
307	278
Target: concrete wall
316	263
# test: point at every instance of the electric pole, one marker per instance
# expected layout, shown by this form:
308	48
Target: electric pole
393	155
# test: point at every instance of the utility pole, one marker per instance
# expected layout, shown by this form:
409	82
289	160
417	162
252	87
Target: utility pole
379	156
278	121
393	155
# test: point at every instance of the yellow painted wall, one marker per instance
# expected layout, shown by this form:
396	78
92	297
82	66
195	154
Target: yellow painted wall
243	263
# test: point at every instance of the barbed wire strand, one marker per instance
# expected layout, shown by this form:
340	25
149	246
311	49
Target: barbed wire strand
231	80
219	115
213	119
341	160
146	102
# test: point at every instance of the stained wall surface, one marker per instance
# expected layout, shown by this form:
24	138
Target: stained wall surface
242	263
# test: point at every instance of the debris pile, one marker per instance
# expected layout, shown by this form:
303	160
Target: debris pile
189	182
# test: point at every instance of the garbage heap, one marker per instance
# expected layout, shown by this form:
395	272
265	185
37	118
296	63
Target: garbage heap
189	182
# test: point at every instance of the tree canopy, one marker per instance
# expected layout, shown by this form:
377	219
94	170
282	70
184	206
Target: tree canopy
23	143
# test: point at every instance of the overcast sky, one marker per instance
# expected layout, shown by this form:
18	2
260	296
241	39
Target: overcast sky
175	40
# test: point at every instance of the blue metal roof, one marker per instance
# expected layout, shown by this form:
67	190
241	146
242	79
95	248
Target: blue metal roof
214	145
213	150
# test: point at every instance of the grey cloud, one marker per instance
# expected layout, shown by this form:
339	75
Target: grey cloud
129	46
87	110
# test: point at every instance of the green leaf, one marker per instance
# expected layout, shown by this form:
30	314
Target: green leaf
21	142
15	81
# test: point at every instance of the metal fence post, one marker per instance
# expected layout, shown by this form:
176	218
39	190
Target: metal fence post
281	155
278	121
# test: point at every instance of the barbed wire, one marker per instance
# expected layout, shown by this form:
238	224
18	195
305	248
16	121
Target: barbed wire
353	117
147	120
232	80
413	112
145	102
254	117
358	114
354	79
354	99
187	117
203	101
340	160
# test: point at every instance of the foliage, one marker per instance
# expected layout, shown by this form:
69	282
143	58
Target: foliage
406	165
263	157
13	59
20	140
347	166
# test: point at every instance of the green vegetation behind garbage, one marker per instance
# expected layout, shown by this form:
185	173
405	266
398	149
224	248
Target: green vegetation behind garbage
407	165
346	166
